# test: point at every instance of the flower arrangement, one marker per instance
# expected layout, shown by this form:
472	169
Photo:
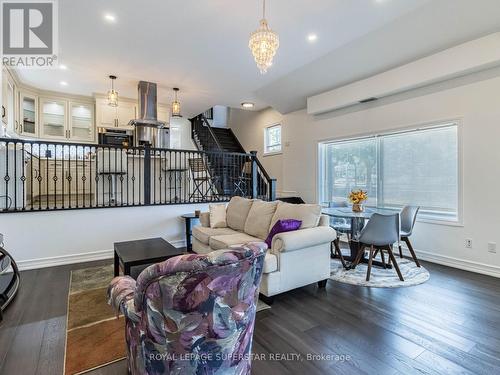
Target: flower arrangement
357	197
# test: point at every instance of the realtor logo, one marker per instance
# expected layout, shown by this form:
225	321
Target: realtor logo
29	33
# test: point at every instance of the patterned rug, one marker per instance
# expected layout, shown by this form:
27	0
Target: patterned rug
94	336
380	277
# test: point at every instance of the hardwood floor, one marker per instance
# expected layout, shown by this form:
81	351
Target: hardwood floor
449	325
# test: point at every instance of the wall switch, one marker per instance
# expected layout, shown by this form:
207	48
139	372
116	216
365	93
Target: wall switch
1	238
492	247
468	243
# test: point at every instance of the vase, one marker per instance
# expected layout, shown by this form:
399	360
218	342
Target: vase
357	207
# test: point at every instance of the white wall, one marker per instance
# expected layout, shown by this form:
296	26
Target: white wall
248	126
51	238
475	100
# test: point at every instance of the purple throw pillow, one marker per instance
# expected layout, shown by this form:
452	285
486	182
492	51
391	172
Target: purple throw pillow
286	225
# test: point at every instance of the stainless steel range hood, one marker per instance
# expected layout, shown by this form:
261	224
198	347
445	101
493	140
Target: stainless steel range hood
148	130
148	106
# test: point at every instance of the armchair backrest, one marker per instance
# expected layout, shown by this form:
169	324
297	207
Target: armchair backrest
200	307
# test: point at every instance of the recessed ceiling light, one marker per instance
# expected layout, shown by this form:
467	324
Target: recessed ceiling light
63	67
247	105
312	38
63	83
110	17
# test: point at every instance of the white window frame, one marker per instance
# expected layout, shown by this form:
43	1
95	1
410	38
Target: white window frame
422	217
266	145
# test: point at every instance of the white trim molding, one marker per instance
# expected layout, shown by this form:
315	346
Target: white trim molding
31	264
466	265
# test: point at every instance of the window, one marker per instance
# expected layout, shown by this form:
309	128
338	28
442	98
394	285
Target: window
272	139
417	167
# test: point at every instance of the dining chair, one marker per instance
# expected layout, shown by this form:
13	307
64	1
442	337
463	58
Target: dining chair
243	182
203	182
341	226
380	233
408	218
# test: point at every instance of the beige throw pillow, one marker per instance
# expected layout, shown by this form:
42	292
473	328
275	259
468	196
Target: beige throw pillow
237	212
217	215
259	218
309	214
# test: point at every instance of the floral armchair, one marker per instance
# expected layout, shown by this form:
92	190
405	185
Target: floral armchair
192	314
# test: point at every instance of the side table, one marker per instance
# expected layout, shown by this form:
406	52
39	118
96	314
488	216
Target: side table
188	219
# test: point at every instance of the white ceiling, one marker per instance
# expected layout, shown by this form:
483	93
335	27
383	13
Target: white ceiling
201	46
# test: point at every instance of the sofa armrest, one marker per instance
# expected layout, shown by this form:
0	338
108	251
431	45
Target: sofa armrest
324	221
205	219
302	238
121	292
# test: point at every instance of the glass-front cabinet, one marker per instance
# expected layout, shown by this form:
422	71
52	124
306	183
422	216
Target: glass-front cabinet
82	122
53	119
29	115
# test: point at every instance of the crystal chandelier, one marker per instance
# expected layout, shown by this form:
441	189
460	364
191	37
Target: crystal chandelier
176	105
112	94
264	43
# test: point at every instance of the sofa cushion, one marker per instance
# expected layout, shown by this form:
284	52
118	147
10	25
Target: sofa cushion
217	215
309	214
227	240
270	263
286	225
259	218
203	234
237	212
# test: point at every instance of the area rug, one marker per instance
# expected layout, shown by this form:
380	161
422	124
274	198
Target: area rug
380	277
94	336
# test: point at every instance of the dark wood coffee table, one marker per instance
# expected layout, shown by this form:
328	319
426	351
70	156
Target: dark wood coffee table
141	252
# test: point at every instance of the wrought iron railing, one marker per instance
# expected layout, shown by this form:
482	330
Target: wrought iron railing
46	176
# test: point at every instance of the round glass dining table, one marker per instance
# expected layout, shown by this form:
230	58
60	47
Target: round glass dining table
358	220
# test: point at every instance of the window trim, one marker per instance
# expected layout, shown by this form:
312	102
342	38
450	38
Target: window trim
271	153
458	122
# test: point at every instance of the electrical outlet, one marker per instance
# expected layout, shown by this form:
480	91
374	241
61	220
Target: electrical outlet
468	243
492	247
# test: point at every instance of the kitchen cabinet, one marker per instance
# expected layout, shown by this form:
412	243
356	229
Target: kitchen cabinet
106	115
28	114
9	102
4	102
81	122
60	177
115	117
125	113
53	120
66	120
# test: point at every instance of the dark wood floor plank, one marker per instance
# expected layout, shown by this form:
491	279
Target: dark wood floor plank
442	365
448	325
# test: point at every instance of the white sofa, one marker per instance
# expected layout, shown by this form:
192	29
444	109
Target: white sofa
296	258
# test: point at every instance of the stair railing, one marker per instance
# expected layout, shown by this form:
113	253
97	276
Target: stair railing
200	126
262	185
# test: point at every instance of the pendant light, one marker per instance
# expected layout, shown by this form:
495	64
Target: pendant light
112	94
264	43
176	105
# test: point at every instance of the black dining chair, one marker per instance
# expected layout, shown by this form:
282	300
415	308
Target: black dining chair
380	233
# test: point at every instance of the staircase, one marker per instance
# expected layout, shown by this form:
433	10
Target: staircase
228	163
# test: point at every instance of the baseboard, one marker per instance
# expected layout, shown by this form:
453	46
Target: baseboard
62	260
466	265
